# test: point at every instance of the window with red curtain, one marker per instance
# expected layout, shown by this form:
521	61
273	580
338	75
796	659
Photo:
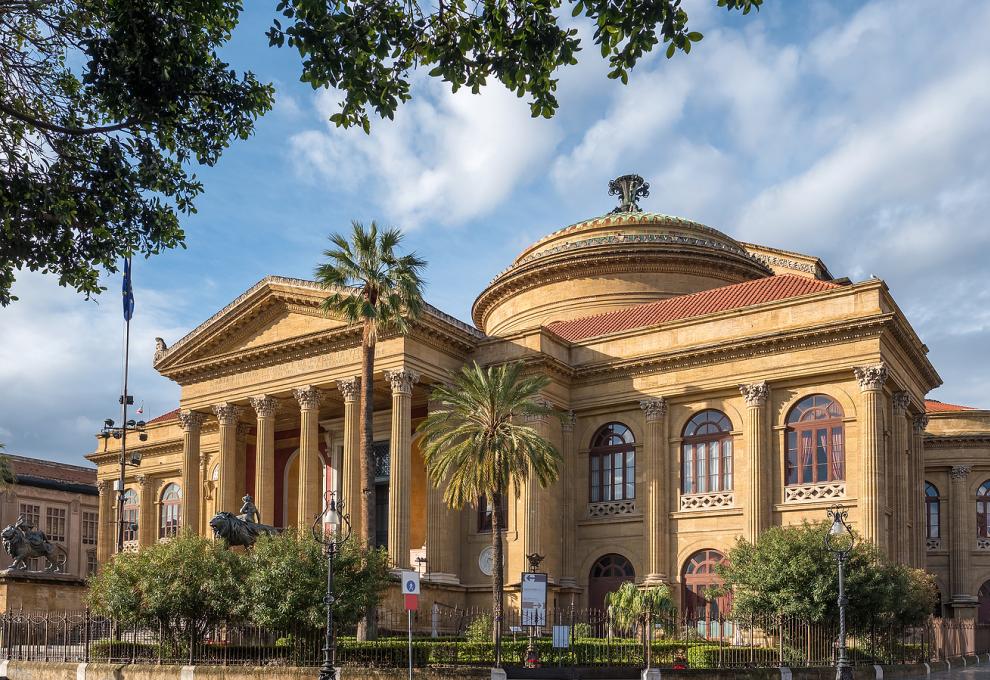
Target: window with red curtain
706	453
816	449
171	511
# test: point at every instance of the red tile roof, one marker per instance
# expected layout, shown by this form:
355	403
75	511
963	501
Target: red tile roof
49	469
936	406
688	306
165	417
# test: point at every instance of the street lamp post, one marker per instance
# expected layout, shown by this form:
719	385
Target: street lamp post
331	528
839	540
110	429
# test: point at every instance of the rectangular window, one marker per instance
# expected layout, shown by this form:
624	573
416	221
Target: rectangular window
485	515
688	468
91	564
55	524
838	454
90	521
726	465
31	514
807	457
821	455
596	488
713	466
607	477
790	466
630	475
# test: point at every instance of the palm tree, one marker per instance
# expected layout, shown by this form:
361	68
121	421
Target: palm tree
473	441
373	286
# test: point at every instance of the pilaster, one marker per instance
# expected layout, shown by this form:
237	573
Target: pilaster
758	508
351	478
204	471
148	500
961	537
191	423
568	560
227	416
265	407
656	523
400	466
106	528
918	465
871	380
310	497
904	494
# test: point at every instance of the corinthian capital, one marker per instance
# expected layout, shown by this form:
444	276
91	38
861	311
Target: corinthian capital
103	486
567	421
265	406
349	388
755	394
191	420
920	423
227	413
959	473
871	377
901	401
309	397
402	380
655	409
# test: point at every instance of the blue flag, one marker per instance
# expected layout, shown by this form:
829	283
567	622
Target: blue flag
128	291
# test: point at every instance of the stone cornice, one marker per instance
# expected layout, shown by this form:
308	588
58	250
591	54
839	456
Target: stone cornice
970	440
147	451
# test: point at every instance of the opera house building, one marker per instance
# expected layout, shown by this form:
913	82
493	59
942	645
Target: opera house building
709	389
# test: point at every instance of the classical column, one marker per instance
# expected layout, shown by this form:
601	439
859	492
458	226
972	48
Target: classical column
350	477
264	456
961	538
442	533
568	562
918	464
871	380
204	472
903	500
191	423
310	498
227	499
758	508
400	466
147	526
656	525
107	527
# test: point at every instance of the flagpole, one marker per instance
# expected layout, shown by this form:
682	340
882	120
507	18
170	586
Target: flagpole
123	419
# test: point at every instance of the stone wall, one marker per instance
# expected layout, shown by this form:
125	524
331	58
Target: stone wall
41	592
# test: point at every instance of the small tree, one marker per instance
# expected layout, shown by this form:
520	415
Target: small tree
184	586
788	571
287	580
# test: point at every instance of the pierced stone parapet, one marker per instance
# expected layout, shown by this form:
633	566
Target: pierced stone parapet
933	544
808	493
706	501
609	508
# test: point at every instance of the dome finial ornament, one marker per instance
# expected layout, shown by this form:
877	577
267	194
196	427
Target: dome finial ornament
630	188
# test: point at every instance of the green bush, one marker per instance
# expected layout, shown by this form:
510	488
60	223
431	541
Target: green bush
710	656
479	630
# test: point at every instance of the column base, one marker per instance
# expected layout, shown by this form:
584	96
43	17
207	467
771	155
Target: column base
442	578
568	582
964	607
655	580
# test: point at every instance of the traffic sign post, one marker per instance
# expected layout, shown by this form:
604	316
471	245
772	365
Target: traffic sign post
533	600
410	594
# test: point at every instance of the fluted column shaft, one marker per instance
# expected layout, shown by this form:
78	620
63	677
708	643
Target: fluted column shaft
148	500
568	560
350	476
400	466
310	498
904	493
226	495
107	527
264	456
962	539
758	508
656	522
192	485
201	518
871	380
918	489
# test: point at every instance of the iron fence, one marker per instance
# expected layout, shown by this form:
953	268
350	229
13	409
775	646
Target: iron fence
441	638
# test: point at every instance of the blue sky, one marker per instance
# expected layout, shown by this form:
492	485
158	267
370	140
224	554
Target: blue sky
857	132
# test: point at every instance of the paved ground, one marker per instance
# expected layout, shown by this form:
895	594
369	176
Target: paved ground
981	672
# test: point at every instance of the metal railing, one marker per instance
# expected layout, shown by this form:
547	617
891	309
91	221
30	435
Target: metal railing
594	638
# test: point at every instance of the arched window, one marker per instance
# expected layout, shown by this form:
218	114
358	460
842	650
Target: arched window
815	442
932	524
612	473
171	511
130	517
698	578
983	510
607	574
706	453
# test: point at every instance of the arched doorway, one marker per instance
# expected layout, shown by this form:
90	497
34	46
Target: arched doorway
698	607
983	613
607	574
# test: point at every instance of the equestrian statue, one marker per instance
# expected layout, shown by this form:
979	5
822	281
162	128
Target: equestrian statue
23	542
242	529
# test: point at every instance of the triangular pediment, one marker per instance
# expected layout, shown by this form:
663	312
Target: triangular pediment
273	312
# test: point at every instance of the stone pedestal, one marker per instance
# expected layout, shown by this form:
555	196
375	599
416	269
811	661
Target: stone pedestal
41	591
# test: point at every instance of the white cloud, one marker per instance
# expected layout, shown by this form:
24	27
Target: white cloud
446	158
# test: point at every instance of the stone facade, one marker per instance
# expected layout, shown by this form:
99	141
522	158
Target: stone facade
656	332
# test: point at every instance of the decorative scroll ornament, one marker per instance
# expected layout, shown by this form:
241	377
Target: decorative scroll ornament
901	401
191	420
959	473
227	413
655	409
349	388
755	394
309	397
920	423
402	381
264	405
871	377
630	188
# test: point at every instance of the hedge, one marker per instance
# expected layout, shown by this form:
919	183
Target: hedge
714	656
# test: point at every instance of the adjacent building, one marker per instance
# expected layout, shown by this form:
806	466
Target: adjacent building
707	389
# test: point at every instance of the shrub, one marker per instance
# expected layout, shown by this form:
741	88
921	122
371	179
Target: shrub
710	656
479	631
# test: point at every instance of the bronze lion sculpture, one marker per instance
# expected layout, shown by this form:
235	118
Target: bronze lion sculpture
235	531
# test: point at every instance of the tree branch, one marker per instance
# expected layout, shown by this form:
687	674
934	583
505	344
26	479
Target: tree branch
52	127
